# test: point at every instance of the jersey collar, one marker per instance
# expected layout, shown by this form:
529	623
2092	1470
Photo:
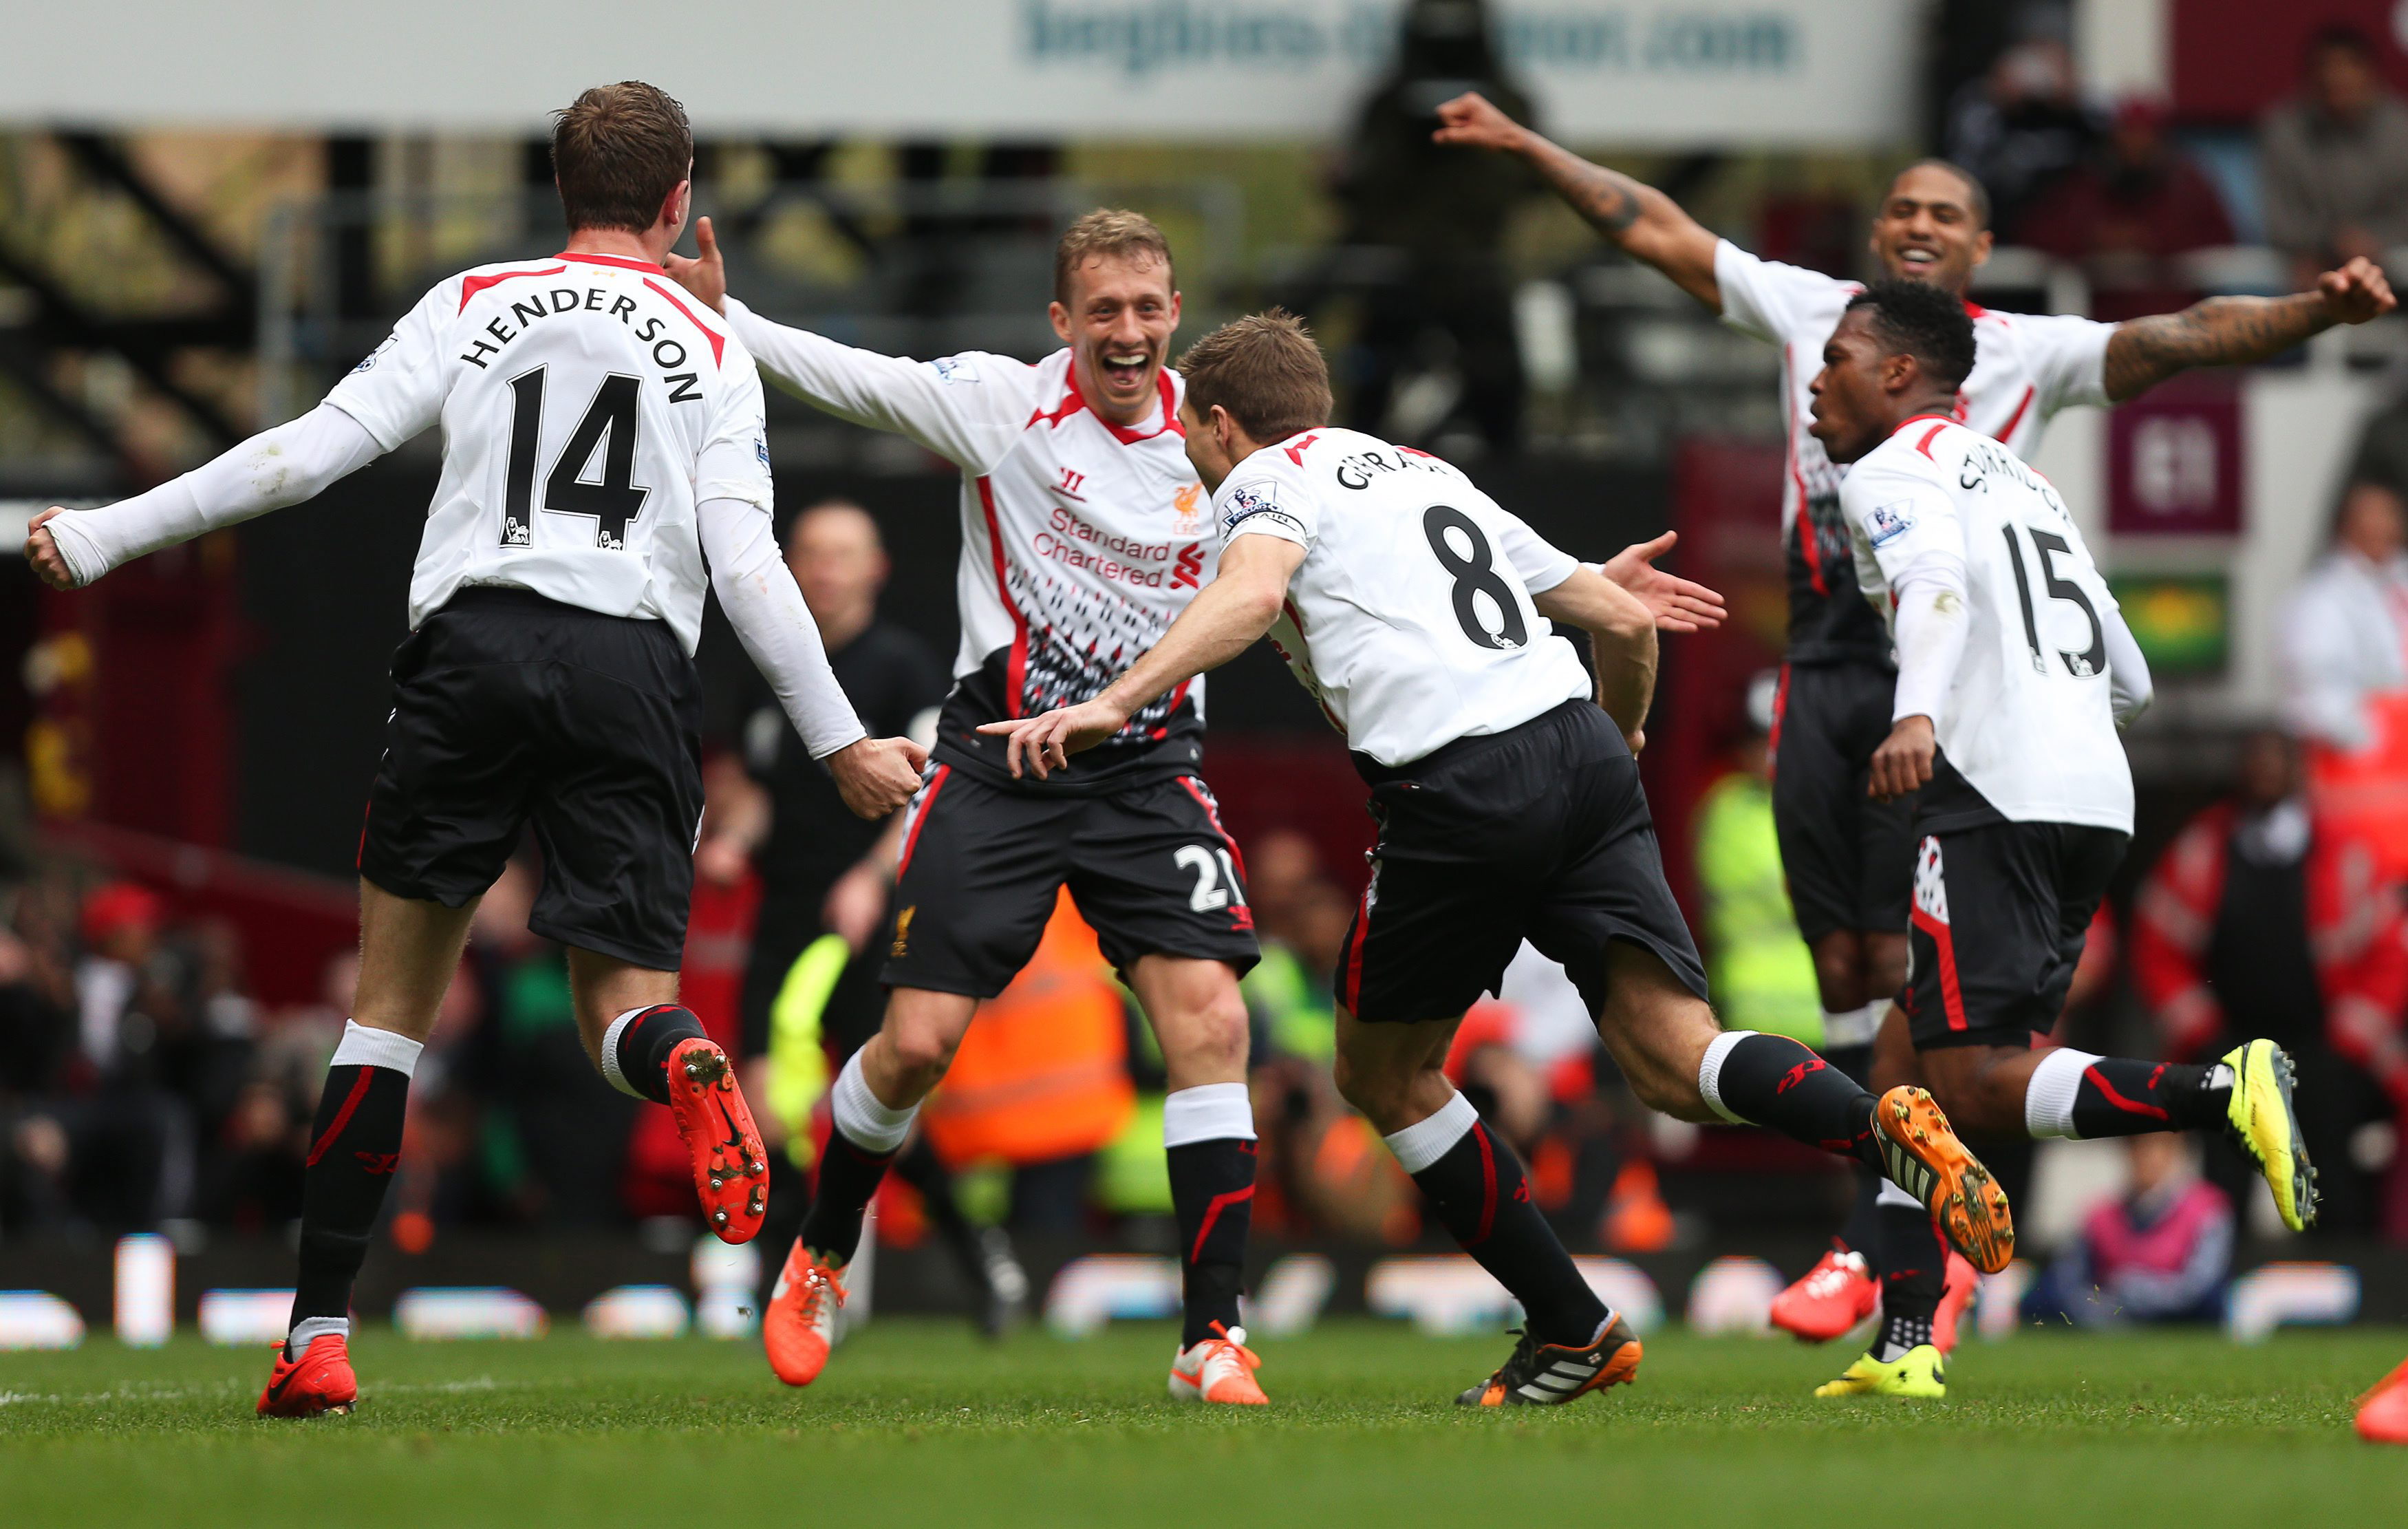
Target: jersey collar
620	261
1073	400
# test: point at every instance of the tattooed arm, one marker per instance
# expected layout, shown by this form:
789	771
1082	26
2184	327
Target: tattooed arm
2236	331
1641	220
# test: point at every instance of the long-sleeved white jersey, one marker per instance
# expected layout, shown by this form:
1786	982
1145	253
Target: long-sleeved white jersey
602	433
1976	560
1081	541
2026	367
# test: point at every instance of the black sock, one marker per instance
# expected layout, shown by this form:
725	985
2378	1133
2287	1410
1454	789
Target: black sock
354	1145
1480	1194
644	1043
1915	1267
1213	1191
1861	1235
920	1167
848	1178
1771	1080
2120	1097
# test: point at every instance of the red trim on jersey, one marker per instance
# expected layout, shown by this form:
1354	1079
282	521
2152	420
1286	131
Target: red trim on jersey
1804	525
2031	390
1353	997
920	819
1297	446
717	342
1073	400
1928	436
1975	310
1951	997
1212	816
622	262
1780	710
1016	670
476	285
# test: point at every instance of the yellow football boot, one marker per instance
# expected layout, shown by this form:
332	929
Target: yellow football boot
1920	1372
2267	1125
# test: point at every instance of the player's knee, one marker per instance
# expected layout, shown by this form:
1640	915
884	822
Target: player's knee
1211	1038
1381	1091
923	1052
1839	974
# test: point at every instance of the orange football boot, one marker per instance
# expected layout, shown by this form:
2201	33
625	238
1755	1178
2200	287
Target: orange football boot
1925	1158
799	1328
1958	1287
1549	1375
1221	1368
731	1167
1833	1296
2383	1412
320	1380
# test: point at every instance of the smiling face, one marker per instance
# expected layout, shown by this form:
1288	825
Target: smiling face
1928	229
1118	324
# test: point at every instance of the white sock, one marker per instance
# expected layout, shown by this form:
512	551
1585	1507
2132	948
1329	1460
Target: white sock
362	1047
865	1122
2049	1098
1892	1195
310	1328
1710	1072
1428	1140
610	1073
1852	1026
1210	1112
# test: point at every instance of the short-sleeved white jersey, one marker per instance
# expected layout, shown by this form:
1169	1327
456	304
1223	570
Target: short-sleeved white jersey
588	406
2029	724
2026	367
1082	539
1410	619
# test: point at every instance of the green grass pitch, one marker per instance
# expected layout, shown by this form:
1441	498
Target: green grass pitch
918	1422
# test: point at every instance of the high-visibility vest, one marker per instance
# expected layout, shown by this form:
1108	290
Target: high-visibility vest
1762	973
1044	1073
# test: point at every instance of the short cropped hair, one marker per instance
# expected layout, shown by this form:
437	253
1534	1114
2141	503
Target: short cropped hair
1264	370
1917	319
617	153
1977	196
1104	233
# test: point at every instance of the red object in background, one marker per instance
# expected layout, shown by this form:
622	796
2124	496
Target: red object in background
291	923
2232	59
1727	505
166	632
2174	459
1301	782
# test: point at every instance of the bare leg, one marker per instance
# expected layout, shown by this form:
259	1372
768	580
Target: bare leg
409	953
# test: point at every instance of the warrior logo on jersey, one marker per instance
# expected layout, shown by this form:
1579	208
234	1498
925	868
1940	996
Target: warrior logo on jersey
1892	521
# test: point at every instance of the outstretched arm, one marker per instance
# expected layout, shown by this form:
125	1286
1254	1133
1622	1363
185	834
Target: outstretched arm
2237	331
1226	618
1643	222
295	461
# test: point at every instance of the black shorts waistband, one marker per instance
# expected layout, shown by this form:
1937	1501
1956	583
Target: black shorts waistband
492	596
1447	755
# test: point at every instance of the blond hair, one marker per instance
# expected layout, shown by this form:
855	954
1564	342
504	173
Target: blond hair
1108	232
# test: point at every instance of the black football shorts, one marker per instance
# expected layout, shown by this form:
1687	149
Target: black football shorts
983	865
1540	832
511	710
2001	912
1849	860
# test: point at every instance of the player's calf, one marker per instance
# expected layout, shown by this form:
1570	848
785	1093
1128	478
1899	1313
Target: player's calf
660	1053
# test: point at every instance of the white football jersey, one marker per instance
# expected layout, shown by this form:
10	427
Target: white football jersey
2029	723
1081	541
588	405
1410	619
2026	367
